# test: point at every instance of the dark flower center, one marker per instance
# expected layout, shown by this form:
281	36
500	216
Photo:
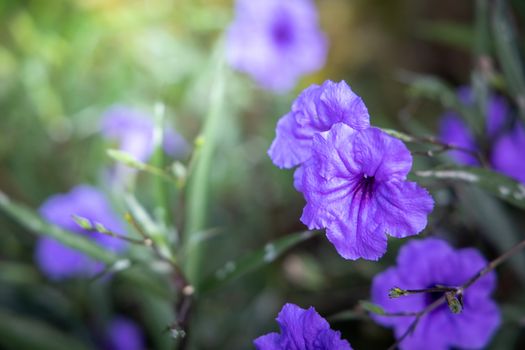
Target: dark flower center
365	186
433	296
282	31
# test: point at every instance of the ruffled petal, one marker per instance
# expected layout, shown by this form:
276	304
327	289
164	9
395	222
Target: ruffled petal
268	341
355	235
379	155
315	111
320	107
299	326
403	207
298	179
331	340
289	150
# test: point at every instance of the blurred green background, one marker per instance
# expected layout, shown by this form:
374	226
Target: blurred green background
63	63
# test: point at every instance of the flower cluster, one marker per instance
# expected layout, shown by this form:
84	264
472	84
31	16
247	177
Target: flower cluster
426	264
505	142
352	175
301	329
58	261
276	41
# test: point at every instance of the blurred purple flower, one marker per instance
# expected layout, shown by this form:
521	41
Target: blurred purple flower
58	261
301	329
507	154
133	131
314	111
425	264
454	130
124	334
355	186
506	146
275	41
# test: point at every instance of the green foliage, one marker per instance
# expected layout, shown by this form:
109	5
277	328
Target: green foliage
236	269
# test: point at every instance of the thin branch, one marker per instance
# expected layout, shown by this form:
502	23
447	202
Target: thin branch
445	147
414	323
185	290
493	264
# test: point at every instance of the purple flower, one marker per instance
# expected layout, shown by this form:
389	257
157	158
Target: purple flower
133	131
456	132
124	334
507	154
314	111
58	261
505	145
300	330
275	41
355	186
425	264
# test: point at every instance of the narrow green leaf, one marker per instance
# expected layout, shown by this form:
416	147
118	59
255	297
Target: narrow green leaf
371	307
253	261
508	54
495	183
17	332
30	220
198	183
482	32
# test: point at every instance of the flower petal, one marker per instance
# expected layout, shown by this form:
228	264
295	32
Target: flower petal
288	149
58	261
268	341
403	207
380	155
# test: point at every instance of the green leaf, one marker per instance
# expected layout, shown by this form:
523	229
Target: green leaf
253	261
30	220
508	54
371	307
198	183
18	332
497	184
